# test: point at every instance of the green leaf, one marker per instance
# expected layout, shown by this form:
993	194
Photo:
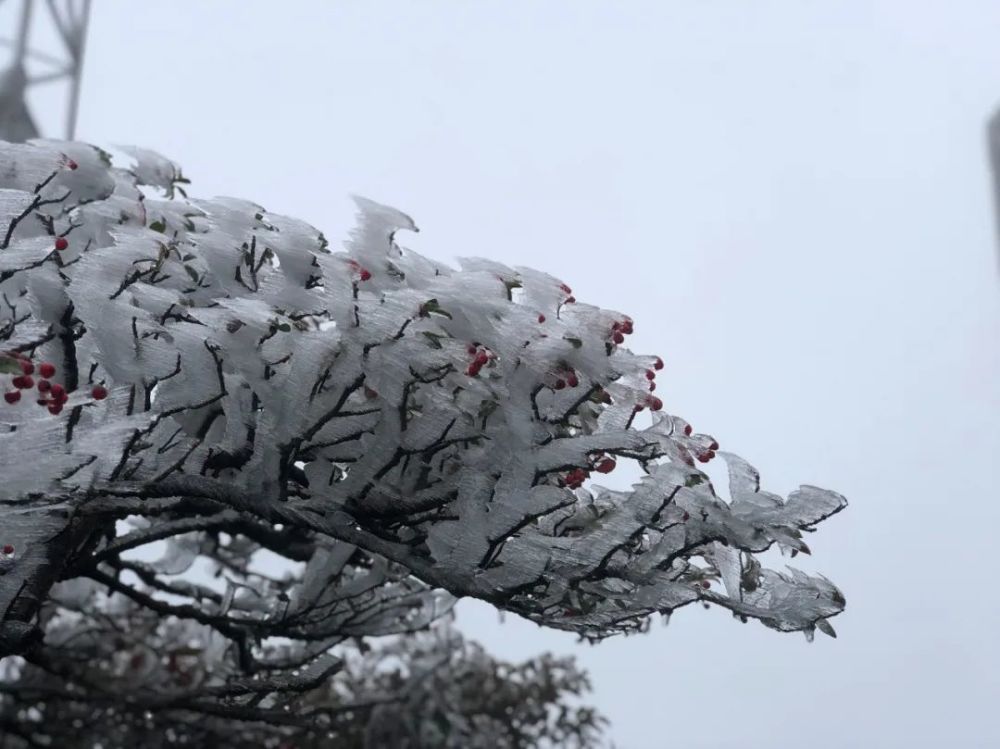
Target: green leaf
576	342
103	155
486	408
160	226
9	365
693	480
430	307
285	327
434	339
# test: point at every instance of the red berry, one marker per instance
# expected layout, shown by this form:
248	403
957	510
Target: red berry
706	584
570	299
12	396
8	549
44	386
687	429
55	408
714	446
365	274
565	289
473	370
23	382
61	243
616	326
560	384
46	370
706	456
658	364
650	374
686	516
606	466
27	367
71	164
541	318
481	358
99	392
652	386
472	349
654	403
571	380
58	392
618	337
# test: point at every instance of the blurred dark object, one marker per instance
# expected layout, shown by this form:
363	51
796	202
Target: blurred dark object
30	67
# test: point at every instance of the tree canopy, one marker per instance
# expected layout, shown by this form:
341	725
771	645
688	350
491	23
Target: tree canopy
213	382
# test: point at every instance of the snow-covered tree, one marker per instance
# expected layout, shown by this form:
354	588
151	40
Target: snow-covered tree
122	676
203	385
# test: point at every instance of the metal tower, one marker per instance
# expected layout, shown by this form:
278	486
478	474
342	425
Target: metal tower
27	67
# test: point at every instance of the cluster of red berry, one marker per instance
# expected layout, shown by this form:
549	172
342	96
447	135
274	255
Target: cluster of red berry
51	395
574	479
654	403
621	329
600	462
363	273
705	455
604	464
481	356
565	377
709	453
651	375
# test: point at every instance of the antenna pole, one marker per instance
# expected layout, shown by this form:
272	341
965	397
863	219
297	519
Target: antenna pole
74	93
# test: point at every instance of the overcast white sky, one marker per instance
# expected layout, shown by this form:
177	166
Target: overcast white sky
790	198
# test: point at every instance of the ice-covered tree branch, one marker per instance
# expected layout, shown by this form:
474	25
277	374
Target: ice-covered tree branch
214	378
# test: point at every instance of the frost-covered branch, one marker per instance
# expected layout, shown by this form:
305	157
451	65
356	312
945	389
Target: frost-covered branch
215	379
